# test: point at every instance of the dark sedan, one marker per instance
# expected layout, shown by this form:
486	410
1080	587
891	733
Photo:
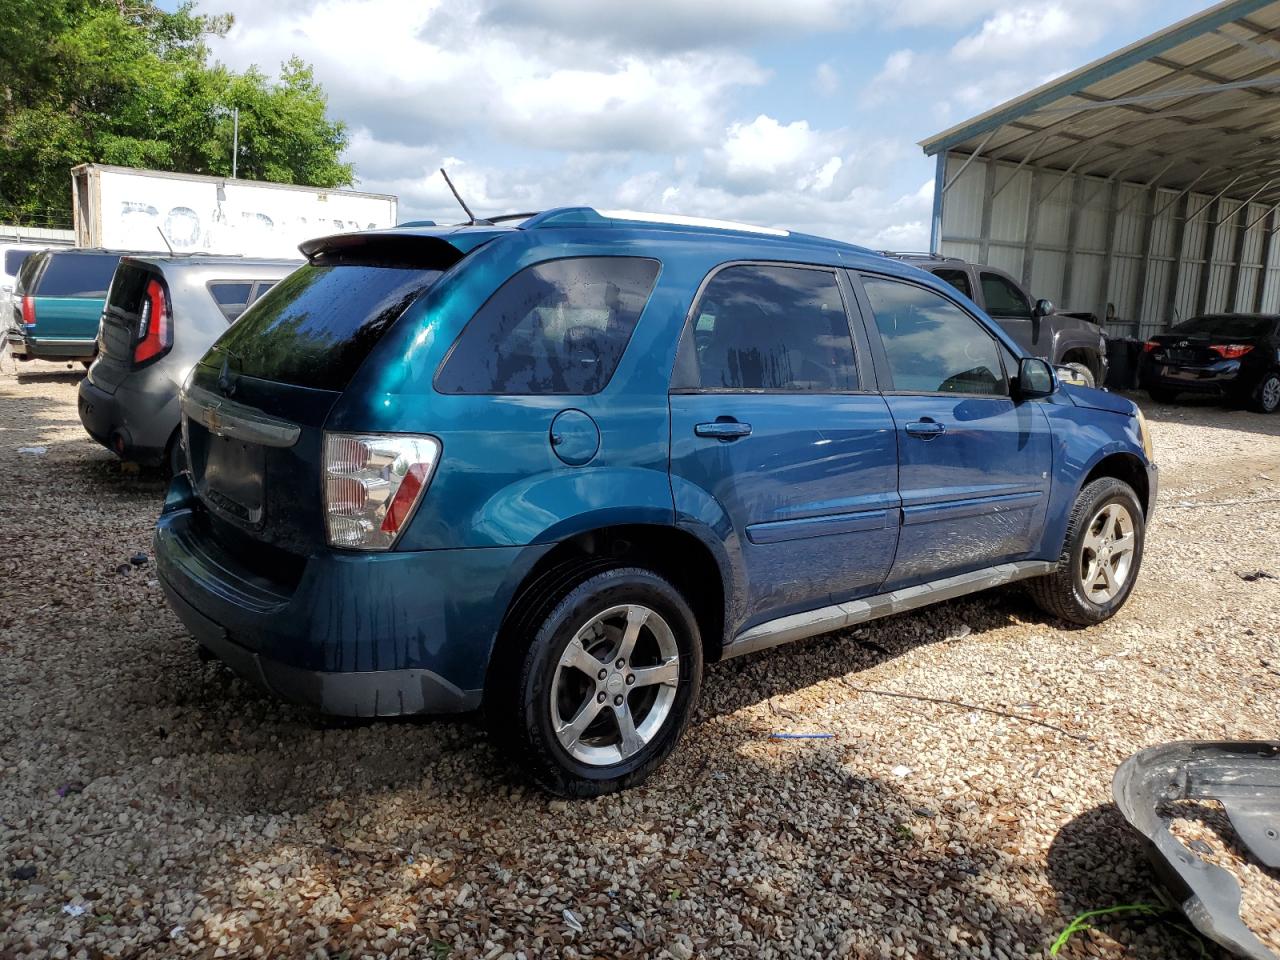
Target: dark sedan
1232	355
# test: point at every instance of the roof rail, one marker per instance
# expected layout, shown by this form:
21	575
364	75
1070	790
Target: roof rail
585	216
916	255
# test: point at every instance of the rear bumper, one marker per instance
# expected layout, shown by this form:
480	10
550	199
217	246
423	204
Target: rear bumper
359	635
27	347
136	422
1221	377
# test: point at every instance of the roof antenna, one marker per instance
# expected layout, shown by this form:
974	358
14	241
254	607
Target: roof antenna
457	196
166	240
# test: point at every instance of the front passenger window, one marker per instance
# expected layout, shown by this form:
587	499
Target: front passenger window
932	345
1004	300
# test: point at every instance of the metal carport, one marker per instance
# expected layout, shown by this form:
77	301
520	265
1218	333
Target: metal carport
1148	180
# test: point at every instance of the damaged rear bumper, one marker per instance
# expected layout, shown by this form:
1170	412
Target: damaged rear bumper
1245	778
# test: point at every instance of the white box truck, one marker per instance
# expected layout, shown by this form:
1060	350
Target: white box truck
123	208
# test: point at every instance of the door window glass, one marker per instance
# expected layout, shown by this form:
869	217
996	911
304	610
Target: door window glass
768	328
958	279
932	345
558	327
1004	300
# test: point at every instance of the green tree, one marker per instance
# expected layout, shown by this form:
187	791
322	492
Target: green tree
124	82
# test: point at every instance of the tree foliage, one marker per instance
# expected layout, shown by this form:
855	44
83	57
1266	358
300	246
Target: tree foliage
125	82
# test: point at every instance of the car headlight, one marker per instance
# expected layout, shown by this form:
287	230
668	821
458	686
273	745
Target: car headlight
1145	432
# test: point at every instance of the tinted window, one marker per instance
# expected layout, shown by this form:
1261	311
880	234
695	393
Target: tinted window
263	287
318	324
76	275
958	279
1227	326
13	259
768	328
232	297
556	327
932	345
1003	299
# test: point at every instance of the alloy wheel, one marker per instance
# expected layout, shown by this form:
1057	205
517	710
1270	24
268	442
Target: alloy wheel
615	685
1107	558
1271	393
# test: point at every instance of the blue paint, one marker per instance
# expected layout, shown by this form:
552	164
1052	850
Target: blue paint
827	499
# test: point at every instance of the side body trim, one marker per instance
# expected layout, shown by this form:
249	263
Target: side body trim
811	623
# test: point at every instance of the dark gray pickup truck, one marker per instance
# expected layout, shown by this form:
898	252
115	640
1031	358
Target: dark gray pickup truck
1061	338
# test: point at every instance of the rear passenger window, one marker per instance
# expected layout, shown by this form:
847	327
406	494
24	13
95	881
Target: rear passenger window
554	328
768	328
232	298
932	345
957	278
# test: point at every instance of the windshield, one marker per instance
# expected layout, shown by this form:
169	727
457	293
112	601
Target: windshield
1229	325
315	327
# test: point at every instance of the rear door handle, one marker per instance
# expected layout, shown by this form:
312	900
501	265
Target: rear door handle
723	429
925	429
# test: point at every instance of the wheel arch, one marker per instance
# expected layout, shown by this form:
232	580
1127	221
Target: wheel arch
1127	467
672	552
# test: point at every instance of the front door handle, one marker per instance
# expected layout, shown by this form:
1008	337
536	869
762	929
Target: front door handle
925	429
723	429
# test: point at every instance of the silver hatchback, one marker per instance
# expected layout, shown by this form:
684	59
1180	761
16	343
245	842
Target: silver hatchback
162	314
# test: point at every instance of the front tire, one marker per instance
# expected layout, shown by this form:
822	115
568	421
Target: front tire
602	692
1083	371
1101	556
1266	396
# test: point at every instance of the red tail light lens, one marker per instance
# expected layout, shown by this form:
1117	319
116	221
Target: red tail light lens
372	484
1231	351
1149	346
28	311
155	324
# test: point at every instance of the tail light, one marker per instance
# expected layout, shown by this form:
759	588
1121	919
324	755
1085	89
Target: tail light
1150	345
1231	351
28	311
155	324
372	485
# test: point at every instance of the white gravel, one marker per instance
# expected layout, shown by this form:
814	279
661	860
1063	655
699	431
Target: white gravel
152	805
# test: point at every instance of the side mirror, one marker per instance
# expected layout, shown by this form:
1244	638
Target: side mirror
1043	308
1035	378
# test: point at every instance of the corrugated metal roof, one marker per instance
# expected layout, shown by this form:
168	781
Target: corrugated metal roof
1196	103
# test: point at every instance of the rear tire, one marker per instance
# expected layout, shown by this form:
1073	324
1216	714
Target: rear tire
1266	396
1162	394
1101	556
602	691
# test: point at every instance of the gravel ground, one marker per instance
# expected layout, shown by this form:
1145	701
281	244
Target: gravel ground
154	806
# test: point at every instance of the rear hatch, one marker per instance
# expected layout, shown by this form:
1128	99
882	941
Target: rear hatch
1203	341
122	323
254	407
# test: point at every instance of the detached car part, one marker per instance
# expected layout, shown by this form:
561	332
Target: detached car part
1245	778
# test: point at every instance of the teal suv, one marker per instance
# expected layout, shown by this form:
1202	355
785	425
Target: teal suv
551	469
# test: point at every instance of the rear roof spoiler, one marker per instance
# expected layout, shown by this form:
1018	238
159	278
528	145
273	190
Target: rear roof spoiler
414	247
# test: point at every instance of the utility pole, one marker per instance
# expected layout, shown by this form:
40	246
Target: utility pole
235	139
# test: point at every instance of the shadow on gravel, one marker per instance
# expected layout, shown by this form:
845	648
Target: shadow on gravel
1098	861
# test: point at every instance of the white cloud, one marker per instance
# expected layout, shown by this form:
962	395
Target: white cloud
826	79
1017	33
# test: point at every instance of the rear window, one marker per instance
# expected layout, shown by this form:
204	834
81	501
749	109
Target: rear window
13	259
76	275
124	302
1228	326
558	327
316	326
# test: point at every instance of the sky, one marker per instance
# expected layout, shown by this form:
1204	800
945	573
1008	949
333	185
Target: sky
802	114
